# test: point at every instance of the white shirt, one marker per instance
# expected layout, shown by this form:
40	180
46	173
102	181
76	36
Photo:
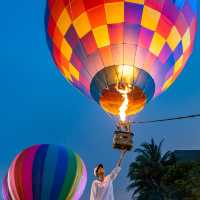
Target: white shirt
104	190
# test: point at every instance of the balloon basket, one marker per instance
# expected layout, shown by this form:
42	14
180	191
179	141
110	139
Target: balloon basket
123	137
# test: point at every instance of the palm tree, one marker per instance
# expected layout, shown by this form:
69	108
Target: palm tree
146	172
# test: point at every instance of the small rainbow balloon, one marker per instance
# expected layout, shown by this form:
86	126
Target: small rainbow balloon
45	172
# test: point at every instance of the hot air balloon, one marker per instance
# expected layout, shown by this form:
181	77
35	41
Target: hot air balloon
45	172
121	53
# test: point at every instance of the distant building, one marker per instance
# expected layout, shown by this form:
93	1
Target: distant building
187	155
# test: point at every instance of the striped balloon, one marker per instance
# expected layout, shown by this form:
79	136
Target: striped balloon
45	172
103	45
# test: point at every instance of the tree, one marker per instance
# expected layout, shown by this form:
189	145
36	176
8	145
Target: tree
154	176
182	181
146	173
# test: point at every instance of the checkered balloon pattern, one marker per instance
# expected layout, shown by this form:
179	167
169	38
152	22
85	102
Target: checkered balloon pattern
154	38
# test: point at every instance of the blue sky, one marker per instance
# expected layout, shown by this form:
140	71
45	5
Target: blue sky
37	105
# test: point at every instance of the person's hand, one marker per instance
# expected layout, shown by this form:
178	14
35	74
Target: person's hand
123	152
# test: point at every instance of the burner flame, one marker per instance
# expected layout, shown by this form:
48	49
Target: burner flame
123	108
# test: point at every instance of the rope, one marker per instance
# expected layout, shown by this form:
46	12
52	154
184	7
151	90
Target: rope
167	119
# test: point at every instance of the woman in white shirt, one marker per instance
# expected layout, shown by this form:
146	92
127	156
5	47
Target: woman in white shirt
102	188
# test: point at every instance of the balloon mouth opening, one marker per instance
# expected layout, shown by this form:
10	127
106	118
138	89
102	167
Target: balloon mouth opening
112	100
122	90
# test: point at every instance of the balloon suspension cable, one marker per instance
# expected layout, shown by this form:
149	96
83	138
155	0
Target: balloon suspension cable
168	119
111	117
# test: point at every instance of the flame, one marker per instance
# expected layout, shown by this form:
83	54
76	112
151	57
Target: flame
124	106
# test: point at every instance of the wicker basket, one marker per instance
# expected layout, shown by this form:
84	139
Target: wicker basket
123	140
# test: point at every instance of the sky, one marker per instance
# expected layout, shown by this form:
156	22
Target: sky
37	105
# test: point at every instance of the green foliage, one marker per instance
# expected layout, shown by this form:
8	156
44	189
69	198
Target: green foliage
182	181
154	176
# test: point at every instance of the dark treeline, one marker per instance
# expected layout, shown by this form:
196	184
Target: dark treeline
157	176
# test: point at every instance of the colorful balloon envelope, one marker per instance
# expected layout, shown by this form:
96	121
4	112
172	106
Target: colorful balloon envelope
104	46
45	172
